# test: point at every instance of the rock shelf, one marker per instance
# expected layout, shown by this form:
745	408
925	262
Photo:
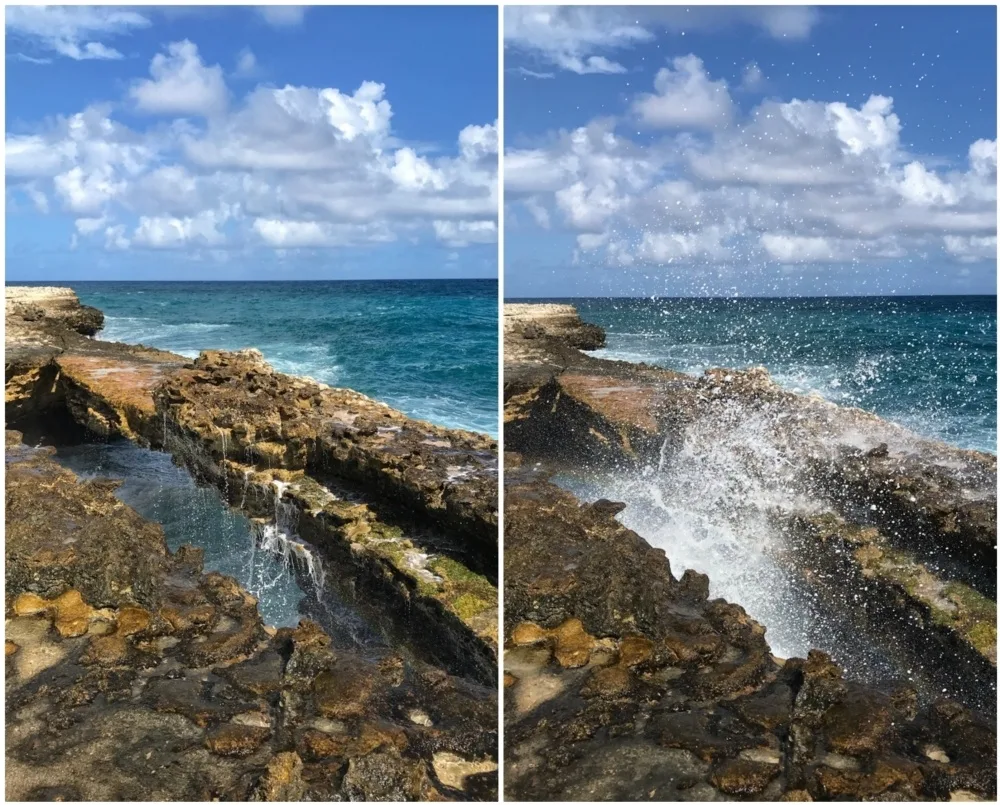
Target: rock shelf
623	682
133	674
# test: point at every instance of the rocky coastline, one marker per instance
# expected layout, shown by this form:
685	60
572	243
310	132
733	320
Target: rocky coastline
623	682
134	674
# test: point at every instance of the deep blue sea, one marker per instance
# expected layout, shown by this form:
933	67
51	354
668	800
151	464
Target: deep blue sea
928	363
426	347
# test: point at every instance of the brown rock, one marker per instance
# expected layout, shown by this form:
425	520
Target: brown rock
282	782
108	650
744	777
634	650
133	620
573	644
527	634
236	740
609	682
344	691
72	614
30	604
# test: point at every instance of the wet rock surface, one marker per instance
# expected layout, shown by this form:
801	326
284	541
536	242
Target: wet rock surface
133	674
622	682
174	689
405	509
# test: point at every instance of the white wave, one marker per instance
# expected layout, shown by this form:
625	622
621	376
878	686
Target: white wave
710	505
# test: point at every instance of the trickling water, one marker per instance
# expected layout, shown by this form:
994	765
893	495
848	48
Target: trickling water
284	574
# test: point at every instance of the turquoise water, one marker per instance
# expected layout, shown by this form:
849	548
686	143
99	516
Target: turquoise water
286	589
426	347
928	363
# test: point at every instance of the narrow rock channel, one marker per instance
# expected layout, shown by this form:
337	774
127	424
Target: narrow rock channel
316	645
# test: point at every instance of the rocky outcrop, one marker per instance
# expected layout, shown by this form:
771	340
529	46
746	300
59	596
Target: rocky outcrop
168	670
626	683
134	675
623	682
533	321
34	304
404	509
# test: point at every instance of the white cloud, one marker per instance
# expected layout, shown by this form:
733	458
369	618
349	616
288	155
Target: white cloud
414	173
579	38
114	238
753	79
182	84
668	247
920	186
283	16
799	249
462	233
87	191
971	249
88	226
164	232
685	97
72	31
983	157
38	198
246	64
566	35
290	234
796	182
365	113
281	167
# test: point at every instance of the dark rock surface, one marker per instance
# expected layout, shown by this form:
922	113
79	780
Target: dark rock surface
132	674
623	682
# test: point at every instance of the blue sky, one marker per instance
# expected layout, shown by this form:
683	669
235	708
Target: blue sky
762	151
251	143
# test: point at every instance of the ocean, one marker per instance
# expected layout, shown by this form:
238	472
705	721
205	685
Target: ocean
928	362
426	347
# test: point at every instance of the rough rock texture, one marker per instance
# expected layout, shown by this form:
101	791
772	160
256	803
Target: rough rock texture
410	506
34	304
624	683
132	674
236	405
559	321
406	509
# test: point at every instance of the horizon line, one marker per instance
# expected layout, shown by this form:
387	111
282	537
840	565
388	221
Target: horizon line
282	281
749	296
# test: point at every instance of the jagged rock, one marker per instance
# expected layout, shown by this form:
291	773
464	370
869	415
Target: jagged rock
133	674
694	677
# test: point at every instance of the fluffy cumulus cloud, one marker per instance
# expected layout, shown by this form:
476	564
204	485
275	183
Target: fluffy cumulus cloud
287	167
181	84
583	39
790	182
685	97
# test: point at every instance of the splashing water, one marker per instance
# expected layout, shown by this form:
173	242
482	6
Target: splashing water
277	541
712	504
928	363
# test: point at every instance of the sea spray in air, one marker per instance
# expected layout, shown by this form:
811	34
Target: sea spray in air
928	363
713	502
